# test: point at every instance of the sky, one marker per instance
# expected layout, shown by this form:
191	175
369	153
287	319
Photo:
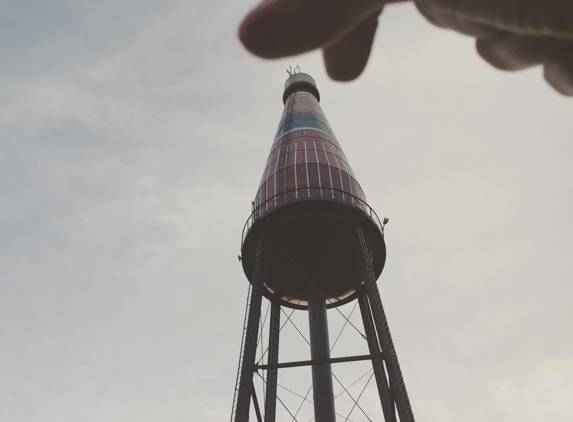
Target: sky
133	139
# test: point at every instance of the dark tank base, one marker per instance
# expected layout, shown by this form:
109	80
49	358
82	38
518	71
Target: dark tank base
312	239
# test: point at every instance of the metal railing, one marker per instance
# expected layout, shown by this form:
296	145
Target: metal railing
304	193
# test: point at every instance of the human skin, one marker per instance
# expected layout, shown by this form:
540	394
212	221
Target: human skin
510	34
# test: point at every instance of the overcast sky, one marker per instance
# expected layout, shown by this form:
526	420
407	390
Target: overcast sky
133	137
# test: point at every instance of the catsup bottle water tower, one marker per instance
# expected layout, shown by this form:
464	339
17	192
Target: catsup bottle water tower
312	242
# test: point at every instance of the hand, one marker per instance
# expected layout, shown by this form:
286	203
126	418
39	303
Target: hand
511	34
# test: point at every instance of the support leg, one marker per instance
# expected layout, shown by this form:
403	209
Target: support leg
377	364
398	388
256	404
273	358
320	349
245	383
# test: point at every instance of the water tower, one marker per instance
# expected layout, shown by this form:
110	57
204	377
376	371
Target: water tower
312	242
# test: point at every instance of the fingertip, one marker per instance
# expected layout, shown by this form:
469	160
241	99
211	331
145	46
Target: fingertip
339	68
496	52
516	52
560	76
343	76
259	31
346	58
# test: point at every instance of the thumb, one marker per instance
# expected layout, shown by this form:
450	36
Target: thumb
552	18
280	28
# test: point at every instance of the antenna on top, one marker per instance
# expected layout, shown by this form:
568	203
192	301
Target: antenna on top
291	72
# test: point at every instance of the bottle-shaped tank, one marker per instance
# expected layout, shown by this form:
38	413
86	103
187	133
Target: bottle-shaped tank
307	204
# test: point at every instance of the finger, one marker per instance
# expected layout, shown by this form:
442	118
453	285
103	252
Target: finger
280	28
346	58
525	17
559	75
515	52
450	19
